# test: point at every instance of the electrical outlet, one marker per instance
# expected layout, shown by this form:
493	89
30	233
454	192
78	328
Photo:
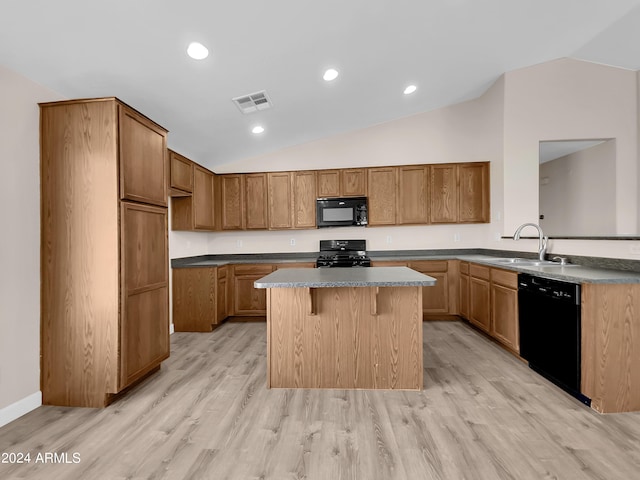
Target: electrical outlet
388	238
456	237
497	237
292	242
634	249
239	243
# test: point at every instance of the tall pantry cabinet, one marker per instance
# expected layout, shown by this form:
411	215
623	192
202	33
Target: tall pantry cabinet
104	256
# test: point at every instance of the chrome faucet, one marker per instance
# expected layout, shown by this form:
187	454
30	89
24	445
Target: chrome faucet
542	240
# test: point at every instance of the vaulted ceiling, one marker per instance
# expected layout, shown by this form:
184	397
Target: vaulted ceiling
451	50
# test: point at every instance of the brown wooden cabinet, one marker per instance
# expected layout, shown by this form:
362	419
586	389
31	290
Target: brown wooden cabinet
464	290
346	182
200	298
280	200
444	193
233	207
197	211
256	205
460	193
222	295
480	297
413	195
248	300
382	184
304	199
104	297
504	308
180	174
474	192
143	165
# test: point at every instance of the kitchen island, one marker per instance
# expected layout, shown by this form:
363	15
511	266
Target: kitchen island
347	328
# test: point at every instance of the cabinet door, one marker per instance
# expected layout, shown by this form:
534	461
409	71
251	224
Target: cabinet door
280	200
328	183
464	296
504	312
143	158
474	192
435	299
381	183
353	182
480	303
304	199
248	300
144	325
203	212
256	207
444	193
232	201
222	295
194	299
413	194
181	172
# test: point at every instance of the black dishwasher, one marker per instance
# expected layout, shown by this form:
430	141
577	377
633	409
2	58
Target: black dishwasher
549	316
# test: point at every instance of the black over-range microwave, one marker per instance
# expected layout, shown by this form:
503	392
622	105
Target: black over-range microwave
341	212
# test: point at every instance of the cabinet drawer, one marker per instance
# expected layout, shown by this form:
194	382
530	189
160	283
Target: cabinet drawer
505	278
386	263
296	265
479	271
430	265
252	269
464	268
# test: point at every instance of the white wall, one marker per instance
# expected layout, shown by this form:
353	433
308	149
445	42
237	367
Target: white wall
20	243
569	99
466	132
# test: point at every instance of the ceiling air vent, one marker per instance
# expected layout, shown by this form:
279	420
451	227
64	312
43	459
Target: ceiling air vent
253	102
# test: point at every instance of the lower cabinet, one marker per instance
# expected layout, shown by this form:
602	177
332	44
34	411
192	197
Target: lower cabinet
247	300
199	298
480	297
489	300
504	308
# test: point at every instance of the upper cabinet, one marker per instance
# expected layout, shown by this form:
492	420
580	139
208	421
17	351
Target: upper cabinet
196	212
256	205
473	199
413	195
397	195
304	199
292	199
181	174
460	193
382	184
444	193
143	165
346	182
232	191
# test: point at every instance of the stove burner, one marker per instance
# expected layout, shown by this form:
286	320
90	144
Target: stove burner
343	253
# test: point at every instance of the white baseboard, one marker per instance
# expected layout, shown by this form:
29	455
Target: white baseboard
21	407
171	330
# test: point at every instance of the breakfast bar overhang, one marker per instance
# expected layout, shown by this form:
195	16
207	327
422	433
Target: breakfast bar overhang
346	328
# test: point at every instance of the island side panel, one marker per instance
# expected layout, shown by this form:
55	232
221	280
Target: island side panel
344	345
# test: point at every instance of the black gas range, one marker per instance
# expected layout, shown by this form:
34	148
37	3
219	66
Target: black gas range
343	253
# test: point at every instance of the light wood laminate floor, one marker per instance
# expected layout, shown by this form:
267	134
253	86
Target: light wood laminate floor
207	415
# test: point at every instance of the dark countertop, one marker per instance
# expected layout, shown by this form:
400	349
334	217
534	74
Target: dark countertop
345	277
585	270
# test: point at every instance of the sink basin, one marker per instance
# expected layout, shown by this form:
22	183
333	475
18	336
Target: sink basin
530	262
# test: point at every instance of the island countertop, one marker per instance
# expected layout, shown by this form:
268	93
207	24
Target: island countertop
345	277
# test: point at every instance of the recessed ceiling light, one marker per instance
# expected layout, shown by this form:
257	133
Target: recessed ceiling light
410	89
197	51
258	129
330	74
